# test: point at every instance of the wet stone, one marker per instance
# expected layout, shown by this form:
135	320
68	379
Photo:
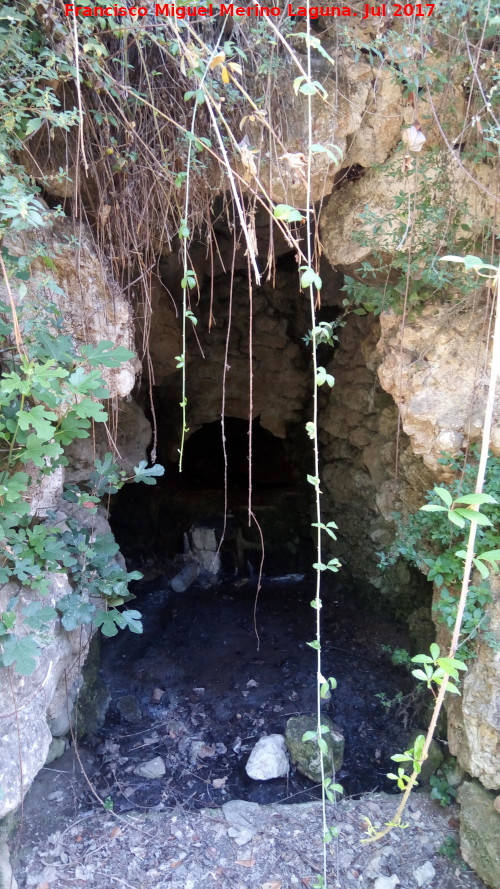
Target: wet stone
129	709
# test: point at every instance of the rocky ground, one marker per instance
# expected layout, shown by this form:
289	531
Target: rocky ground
245	845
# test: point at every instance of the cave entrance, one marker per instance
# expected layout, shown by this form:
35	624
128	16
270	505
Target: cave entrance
223	659
151	524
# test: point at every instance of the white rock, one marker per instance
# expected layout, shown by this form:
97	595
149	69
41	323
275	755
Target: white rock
268	759
424	874
153	768
386	882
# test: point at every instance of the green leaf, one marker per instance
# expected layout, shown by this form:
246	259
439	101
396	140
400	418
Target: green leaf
432	507
475	499
72	426
132	620
472	516
313	480
88	408
323	746
42	421
434	650
444	495
14	487
311	430
309	278
37	450
419	674
106	354
108	621
309	736
148	474
21	654
455	518
287	213
323	377
315	645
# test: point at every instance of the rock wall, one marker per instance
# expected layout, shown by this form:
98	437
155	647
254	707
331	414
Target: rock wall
35	708
358	425
436	369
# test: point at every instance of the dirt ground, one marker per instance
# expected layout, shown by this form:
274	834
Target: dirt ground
194	693
258	847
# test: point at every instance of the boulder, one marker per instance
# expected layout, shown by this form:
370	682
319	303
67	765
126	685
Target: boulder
268	759
480	832
305	754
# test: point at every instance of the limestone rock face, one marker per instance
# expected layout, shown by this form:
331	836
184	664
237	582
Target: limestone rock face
474	718
345	217
42	701
440	392
479	832
94	309
358	423
92	305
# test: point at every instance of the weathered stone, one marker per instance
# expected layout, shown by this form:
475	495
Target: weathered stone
344	216
386	882
37	703
185	577
480	832
56	749
474	717
153	768
244	819
305	754
268	759
7	879
93	306
129	709
441	397
424	874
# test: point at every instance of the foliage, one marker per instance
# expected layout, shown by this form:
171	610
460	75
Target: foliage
433	540
442	790
51	391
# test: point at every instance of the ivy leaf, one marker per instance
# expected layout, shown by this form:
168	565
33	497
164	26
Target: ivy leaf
20	653
106	354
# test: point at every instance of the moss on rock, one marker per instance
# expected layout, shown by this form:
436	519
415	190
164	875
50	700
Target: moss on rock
305	754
